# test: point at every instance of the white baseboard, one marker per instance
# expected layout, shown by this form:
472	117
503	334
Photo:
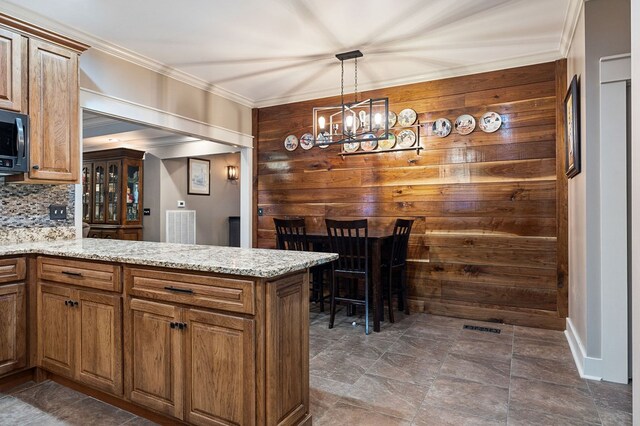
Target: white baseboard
588	367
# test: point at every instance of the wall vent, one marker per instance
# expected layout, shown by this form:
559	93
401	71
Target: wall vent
181	226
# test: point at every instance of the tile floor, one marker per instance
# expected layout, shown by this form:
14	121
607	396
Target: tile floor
423	370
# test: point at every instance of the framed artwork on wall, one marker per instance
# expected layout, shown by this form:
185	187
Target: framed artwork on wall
199	176
572	128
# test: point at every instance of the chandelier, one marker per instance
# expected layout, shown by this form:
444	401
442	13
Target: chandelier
357	121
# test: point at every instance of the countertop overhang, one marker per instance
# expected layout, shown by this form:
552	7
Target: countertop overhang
260	263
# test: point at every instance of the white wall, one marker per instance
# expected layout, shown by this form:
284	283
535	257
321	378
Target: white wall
603	30
635	169
168	182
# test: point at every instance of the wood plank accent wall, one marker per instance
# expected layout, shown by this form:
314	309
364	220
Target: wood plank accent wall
488	209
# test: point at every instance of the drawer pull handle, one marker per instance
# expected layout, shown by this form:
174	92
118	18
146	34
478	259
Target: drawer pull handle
179	290
73	274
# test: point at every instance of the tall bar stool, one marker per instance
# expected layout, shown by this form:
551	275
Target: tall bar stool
348	238
291	235
397	262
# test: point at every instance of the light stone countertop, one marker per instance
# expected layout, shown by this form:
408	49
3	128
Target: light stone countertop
262	263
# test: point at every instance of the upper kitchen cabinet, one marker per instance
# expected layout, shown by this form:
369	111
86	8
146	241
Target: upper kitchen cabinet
11	75
53	112
43	65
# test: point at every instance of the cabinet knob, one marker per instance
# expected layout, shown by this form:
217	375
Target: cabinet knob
172	325
35	167
66	303
75	303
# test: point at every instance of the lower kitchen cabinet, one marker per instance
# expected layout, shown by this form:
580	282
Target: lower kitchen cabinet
13	328
191	364
79	335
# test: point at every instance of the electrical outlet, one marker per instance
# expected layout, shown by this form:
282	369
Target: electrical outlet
57	212
181	204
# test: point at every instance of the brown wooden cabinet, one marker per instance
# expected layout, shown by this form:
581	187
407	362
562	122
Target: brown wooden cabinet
53	112
39	76
11	70
13	327
13	314
112	193
191	364
80	330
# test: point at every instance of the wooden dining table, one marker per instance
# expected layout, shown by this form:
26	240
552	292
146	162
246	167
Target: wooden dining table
379	247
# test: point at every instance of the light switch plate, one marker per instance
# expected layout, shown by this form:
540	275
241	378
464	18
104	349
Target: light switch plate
181	204
57	212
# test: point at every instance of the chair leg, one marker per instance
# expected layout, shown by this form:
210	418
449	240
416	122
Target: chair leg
391	318
320	290
405	290
332	307
366	304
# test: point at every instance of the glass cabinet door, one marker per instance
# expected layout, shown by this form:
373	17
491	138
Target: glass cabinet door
99	190
87	173
133	193
113	191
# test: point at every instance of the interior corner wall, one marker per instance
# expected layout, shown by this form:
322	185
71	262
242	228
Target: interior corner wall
635	170
603	30
166	184
108	75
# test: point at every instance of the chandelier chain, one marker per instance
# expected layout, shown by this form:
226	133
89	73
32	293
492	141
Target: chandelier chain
342	82
356	80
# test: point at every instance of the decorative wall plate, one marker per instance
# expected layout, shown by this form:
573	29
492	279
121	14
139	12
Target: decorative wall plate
406	138
464	124
387	143
391	119
323	138
490	122
441	127
350	146
291	143
407	117
306	141
369	145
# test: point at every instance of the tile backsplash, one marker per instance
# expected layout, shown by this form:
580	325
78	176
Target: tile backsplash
24	210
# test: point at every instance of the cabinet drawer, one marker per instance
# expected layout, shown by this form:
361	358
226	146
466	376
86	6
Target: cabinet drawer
13	269
198	290
101	276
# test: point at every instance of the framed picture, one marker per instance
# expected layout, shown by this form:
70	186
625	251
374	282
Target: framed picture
199	176
572	128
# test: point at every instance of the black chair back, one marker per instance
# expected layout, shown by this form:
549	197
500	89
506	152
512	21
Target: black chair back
291	234
348	238
401	232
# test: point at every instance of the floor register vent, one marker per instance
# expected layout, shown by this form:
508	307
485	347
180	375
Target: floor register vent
484	329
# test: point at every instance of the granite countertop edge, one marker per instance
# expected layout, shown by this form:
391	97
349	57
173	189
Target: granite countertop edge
258	263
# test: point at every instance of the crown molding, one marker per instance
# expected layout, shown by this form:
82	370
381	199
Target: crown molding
120	52
520	61
571	18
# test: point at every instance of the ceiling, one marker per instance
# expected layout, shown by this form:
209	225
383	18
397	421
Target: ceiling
102	132
266	52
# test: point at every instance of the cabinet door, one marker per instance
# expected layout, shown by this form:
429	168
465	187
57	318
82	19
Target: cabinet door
10	70
55	329
13	328
220	364
53	110
99	340
154	357
113	191
87	187
99	190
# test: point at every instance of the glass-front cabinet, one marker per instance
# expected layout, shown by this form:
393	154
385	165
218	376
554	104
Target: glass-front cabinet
87	178
112	189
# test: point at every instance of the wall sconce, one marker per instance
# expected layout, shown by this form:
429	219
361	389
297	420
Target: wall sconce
232	173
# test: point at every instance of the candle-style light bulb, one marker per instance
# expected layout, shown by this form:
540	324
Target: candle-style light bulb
349	121
321	122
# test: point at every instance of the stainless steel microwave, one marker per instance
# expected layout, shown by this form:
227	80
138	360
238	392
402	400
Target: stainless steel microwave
14	143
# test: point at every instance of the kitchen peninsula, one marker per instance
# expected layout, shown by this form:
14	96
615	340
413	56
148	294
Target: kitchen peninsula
206	335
